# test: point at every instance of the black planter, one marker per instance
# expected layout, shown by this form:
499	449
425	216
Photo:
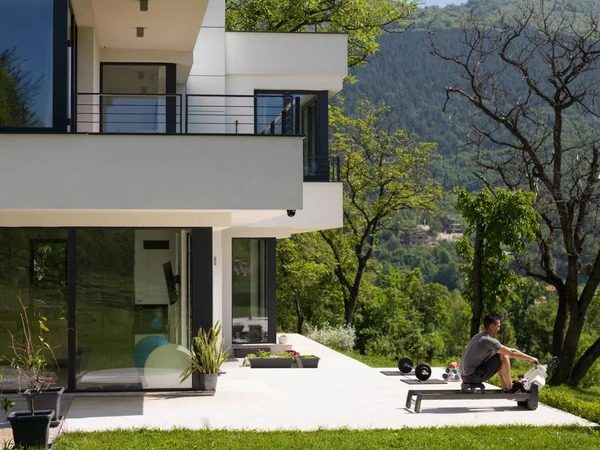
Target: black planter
271	363
48	399
30	430
208	381
308	363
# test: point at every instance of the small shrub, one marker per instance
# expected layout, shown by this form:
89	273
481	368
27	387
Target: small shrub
337	338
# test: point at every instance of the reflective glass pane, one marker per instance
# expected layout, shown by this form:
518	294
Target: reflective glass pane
134	100
250	308
131	319
33	271
26	54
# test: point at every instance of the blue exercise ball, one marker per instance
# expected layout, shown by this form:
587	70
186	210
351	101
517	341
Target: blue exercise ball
144	347
157	323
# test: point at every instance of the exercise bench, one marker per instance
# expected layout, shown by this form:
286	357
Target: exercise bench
528	399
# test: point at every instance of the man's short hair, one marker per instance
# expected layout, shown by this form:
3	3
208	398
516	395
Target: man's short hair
491	319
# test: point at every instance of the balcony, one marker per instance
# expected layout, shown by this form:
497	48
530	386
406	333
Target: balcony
262	114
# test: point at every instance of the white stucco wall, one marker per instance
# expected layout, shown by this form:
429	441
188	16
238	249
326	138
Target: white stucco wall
281	54
137	172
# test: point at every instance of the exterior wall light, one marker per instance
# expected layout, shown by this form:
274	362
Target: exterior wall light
143	5
140	32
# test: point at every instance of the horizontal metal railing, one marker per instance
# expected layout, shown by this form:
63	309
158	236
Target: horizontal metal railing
260	114
127	113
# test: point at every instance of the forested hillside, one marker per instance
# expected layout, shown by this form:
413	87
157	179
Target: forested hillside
409	78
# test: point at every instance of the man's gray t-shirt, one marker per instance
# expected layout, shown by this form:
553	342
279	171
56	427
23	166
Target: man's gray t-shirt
481	348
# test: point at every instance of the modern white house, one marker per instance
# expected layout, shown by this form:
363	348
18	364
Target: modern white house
149	160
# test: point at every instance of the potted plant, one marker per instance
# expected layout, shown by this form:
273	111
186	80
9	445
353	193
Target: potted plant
206	357
31	428
308	361
282	339
268	360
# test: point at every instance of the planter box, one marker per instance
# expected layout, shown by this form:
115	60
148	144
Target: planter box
271	363
308	363
30	431
47	400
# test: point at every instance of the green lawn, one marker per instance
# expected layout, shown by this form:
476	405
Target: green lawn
451	438
370	360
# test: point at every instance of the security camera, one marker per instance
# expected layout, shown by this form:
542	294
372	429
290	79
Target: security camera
291	212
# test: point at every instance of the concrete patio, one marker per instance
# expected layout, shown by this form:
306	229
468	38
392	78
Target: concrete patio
340	393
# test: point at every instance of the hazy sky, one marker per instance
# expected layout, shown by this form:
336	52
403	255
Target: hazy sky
442	2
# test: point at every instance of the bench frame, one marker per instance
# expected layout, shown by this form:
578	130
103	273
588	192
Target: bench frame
528	400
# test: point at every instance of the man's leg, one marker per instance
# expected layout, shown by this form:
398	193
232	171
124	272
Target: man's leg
504	372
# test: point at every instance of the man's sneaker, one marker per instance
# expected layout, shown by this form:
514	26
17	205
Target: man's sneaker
516	388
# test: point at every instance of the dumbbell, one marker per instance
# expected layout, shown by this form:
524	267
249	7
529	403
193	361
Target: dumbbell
422	371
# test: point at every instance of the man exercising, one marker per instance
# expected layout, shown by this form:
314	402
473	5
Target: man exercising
485	356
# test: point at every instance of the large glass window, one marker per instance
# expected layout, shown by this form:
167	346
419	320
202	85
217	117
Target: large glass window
295	114
134	100
33	271
26	63
132	316
250	291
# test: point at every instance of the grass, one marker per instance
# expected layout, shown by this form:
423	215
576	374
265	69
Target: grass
455	438
370	360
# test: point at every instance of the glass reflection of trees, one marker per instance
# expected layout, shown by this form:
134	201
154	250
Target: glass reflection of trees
17	92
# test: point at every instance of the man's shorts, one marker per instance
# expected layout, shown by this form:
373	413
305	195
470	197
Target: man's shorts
485	371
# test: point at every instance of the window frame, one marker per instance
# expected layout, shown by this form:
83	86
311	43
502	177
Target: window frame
59	75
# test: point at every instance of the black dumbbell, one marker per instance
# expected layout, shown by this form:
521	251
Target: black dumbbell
422	371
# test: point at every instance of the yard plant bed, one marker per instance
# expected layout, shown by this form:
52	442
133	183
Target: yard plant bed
455	438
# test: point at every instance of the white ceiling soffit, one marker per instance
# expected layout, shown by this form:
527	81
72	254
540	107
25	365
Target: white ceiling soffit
168	24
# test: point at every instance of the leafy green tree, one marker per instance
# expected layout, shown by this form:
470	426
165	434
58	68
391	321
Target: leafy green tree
540	133
383	171
500	223
363	20
306	291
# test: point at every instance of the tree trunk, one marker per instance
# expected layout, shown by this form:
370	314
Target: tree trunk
560	323
350	304
569	350
477	305
300	321
585	362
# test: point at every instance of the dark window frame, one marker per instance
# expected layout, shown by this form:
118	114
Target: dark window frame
59	76
201	293
270	285
322	128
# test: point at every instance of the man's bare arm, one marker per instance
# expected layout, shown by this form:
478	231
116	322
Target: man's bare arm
516	354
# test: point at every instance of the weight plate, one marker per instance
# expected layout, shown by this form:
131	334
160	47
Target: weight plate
423	372
405	365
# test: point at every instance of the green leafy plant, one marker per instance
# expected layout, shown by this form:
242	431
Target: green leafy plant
207	353
308	356
267	354
29	358
5	403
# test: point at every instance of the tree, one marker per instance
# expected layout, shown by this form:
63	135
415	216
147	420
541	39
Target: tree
541	135
500	222
305	284
384	171
17	91
363	20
